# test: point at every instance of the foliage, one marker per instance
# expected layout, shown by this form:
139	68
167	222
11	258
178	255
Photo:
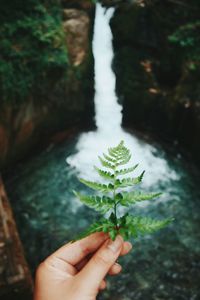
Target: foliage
114	197
32	46
187	37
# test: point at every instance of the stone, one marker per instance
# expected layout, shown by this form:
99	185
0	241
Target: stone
158	91
85	5
76	26
64	104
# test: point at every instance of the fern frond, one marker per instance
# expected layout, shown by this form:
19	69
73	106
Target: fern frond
126	182
95	227
105	174
139	178
113	153
110	159
119	152
106	164
133	226
127	225
134	197
143	225
104	225
124	160
102	204
126	171
97	186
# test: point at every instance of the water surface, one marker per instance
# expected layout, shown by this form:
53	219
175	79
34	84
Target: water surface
161	266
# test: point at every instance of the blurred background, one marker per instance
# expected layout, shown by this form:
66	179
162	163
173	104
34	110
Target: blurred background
76	77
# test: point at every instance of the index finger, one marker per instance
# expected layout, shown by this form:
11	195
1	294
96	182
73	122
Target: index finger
73	253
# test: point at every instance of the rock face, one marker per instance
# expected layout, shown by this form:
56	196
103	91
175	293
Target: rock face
85	5
76	26
158	92
66	103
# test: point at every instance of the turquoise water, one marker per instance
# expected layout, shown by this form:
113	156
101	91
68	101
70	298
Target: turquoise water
161	266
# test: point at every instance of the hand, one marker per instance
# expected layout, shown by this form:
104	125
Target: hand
77	270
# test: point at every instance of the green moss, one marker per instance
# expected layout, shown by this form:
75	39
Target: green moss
187	37
32	47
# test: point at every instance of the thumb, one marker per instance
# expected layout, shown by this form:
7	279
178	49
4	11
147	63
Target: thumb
98	266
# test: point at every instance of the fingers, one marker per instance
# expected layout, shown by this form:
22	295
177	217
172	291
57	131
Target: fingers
73	253
82	263
127	246
102	285
115	269
98	266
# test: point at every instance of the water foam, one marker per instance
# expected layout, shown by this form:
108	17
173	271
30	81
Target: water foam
108	116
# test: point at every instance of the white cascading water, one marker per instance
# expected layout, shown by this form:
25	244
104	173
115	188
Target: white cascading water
108	116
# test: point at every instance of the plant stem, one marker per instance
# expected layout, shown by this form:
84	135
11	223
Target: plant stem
115	212
114	194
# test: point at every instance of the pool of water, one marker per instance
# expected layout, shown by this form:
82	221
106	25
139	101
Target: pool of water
164	265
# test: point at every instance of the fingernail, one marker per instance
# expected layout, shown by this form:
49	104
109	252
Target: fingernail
115	245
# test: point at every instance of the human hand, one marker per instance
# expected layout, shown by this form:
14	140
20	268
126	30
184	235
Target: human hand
77	270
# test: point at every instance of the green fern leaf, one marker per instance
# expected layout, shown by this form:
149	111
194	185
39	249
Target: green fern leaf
98	186
118	152
134	197
113	153
139	178
126	182
106	164
110	159
105	174
95	227
127	225
124	160
104	225
143	225
126	171
102	204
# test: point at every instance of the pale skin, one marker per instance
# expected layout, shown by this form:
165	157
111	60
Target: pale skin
77	270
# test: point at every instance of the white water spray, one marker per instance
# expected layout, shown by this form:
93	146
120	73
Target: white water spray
108	116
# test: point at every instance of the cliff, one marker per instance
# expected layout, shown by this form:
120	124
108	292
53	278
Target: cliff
50	88
157	63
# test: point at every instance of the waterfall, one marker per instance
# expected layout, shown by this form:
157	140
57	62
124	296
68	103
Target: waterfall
108	116
106	106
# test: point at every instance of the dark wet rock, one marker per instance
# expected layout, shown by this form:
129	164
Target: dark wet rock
158	91
64	104
76	25
86	5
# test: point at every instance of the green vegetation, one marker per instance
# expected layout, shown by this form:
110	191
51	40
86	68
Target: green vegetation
32	47
114	197
187	37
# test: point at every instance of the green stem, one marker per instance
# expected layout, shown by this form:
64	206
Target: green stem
115	213
114	194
